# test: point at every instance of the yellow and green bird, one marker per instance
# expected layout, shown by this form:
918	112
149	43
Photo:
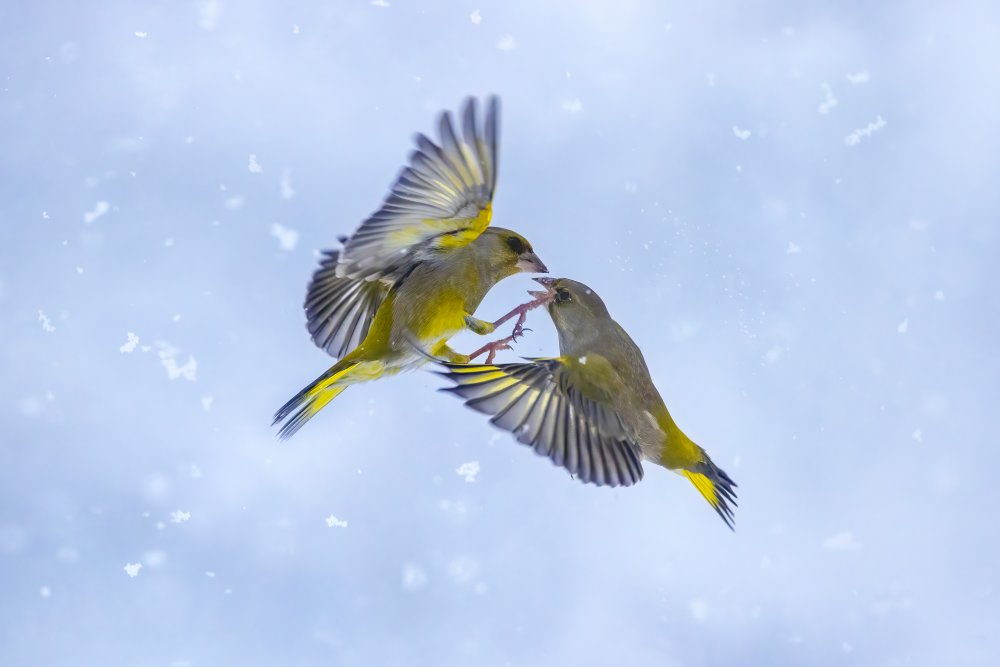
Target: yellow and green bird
413	274
593	409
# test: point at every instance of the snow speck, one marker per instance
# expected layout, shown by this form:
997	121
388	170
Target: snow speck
572	105
742	135
45	215
47	325
179	516
168	358
286	184
858	77
287	238
506	43
468	470
130	344
100	208
140	34
829	101
209	14
295	29
842	541
234	203
334	522
699	610
855	137
414	577
903	326
210	574
463	569
792	249
45	592
476	17
380	3
710	79
773	354
253	166
132	569
939	295
917	435
206	402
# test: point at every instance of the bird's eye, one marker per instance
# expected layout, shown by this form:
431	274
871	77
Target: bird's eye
516	244
562	296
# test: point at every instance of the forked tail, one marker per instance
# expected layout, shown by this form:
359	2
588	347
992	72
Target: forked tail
716	486
305	404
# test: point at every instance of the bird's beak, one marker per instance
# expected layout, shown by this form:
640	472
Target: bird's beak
528	262
547	283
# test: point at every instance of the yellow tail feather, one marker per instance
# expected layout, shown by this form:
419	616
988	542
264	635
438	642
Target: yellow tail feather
305	404
718	491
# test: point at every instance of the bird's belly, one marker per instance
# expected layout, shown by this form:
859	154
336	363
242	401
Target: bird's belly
439	320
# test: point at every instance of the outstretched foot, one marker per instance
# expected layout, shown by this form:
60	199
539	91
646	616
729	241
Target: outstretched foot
521	312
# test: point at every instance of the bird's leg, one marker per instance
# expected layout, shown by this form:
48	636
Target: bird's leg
491	348
541	298
481	327
445	352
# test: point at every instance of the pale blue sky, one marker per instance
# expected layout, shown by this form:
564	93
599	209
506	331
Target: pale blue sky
792	208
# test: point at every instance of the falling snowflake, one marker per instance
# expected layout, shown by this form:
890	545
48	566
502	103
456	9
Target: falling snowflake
130	344
842	541
287	238
742	135
179	516
47	325
253	166
829	101
476	17
132	569
334	522
468	470
100	208
855	137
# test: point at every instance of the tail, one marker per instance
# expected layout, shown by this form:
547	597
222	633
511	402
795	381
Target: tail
716	486
305	404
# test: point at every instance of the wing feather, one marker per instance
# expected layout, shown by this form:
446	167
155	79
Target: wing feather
538	402
339	311
441	199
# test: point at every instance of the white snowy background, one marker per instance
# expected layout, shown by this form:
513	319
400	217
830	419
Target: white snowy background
793	208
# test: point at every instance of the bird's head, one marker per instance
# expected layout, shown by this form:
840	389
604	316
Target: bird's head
508	252
576	310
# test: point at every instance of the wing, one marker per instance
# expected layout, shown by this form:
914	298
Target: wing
339	311
541	406
442	199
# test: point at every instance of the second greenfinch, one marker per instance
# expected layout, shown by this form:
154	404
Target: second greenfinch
593	409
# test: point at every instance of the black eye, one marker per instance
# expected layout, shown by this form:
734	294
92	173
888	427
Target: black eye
562	296
516	244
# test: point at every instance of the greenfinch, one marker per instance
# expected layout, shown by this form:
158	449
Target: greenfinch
594	409
413	273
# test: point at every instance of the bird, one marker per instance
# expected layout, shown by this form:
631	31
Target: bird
594	409
412	275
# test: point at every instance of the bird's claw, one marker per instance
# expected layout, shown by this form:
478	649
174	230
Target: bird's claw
491	349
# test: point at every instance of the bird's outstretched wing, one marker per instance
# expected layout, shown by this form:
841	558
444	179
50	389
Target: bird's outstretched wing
442	199
339	311
541	405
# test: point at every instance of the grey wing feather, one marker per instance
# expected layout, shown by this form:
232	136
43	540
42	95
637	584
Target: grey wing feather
538	404
441	192
339	311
